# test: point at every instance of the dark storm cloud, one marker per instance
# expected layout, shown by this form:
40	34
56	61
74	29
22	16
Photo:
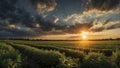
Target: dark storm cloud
97	29
76	28
104	11
21	16
103	4
6	7
108	25
48	5
113	26
25	18
15	19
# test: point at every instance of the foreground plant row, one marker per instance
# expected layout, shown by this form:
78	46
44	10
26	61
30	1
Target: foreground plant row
14	55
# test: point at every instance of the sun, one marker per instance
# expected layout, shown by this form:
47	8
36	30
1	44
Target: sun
84	35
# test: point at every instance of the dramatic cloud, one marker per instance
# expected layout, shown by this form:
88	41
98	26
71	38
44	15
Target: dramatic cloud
55	20
105	26
103	4
98	19
20	20
44	5
30	18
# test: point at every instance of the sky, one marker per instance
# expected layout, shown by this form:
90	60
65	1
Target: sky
59	19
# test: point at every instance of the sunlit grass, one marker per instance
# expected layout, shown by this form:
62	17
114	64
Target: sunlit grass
64	54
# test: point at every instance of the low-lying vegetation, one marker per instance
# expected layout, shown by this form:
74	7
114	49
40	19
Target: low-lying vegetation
9	57
44	58
36	55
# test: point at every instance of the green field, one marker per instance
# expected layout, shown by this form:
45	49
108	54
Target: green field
59	54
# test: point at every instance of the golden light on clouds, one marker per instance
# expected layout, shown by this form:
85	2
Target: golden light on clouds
11	26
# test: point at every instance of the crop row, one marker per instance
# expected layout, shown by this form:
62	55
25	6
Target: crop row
90	60
44	58
53	57
68	52
73	52
106	52
9	57
74	44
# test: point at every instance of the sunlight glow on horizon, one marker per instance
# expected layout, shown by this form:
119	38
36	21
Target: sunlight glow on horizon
84	35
